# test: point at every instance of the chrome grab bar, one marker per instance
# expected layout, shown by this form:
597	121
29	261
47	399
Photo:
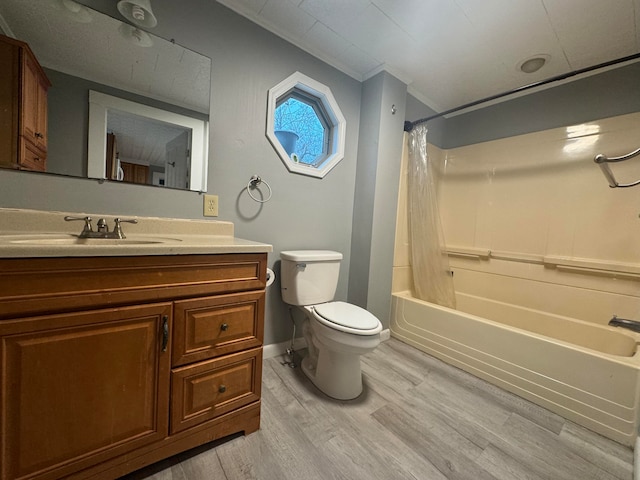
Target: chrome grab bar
603	161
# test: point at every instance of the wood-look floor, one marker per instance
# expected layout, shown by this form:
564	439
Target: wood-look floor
417	418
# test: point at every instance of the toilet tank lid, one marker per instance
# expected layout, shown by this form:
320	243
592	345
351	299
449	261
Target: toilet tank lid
310	255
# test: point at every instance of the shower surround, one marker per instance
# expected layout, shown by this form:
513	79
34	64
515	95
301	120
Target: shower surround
544	253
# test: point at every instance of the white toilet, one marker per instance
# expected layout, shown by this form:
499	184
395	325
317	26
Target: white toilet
337	333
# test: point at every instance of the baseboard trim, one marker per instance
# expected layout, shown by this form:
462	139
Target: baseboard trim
277	349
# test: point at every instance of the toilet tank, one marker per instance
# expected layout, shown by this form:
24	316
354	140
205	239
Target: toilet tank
309	277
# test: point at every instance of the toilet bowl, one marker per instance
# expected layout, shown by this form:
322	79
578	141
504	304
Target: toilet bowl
337	333
334	367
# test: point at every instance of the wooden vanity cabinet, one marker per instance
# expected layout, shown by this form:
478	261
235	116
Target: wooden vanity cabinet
108	364
23	107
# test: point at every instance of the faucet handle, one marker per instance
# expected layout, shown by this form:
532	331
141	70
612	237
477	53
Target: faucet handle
87	223
117	229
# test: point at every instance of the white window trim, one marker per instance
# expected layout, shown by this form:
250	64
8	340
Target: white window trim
337	122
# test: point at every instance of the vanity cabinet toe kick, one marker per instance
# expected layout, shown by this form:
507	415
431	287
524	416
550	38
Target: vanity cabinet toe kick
113	363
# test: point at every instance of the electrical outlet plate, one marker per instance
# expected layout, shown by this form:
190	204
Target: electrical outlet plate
210	206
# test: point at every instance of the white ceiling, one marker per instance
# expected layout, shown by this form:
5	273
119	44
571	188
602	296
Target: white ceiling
452	52
140	139
89	45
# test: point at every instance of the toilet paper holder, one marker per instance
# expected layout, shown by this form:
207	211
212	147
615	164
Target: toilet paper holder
271	277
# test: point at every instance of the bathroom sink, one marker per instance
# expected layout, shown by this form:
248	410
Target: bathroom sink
68	239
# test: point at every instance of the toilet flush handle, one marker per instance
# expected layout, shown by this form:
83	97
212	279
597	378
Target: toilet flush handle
301	265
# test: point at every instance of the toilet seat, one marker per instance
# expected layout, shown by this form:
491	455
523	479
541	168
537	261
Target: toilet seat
346	317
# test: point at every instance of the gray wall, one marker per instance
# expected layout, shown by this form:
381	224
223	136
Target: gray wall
304	212
614	92
376	195
68	125
388	138
365	190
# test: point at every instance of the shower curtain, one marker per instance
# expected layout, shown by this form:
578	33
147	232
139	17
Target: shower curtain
432	277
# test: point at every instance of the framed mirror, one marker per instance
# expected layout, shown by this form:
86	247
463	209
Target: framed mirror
82	50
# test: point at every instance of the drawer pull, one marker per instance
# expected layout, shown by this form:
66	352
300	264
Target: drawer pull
165	332
224	327
39	135
222	389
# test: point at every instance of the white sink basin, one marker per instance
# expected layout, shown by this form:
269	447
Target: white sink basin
68	239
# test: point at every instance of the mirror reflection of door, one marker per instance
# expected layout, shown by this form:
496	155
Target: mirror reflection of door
176	165
112	164
147	151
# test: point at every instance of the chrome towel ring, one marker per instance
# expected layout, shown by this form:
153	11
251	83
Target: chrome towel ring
253	184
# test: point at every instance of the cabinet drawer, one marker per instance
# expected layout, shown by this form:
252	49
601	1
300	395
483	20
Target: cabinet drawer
34	286
213	326
31	157
212	388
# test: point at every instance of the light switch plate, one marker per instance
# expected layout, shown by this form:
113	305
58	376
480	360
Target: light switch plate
210	206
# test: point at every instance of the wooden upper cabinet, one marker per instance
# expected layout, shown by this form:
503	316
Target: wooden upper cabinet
134	173
34	102
23	107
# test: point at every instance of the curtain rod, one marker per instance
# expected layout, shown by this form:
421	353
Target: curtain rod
408	126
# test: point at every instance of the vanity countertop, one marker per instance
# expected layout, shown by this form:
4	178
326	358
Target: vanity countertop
34	233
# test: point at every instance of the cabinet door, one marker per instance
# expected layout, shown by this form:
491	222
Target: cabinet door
127	172
34	104
140	174
134	173
82	387
31	158
9	104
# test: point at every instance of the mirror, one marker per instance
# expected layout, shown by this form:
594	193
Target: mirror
172	145
83	50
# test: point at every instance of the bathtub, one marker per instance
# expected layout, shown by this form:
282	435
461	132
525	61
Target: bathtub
585	372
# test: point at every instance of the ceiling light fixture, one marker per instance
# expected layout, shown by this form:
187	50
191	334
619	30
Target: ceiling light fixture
533	64
134	35
75	11
138	12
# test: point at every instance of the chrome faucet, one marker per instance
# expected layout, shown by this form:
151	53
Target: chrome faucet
624	323
102	228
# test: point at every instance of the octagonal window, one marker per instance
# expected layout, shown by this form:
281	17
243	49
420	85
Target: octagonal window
305	125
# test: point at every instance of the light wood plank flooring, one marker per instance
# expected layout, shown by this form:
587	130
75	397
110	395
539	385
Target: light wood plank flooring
417	418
